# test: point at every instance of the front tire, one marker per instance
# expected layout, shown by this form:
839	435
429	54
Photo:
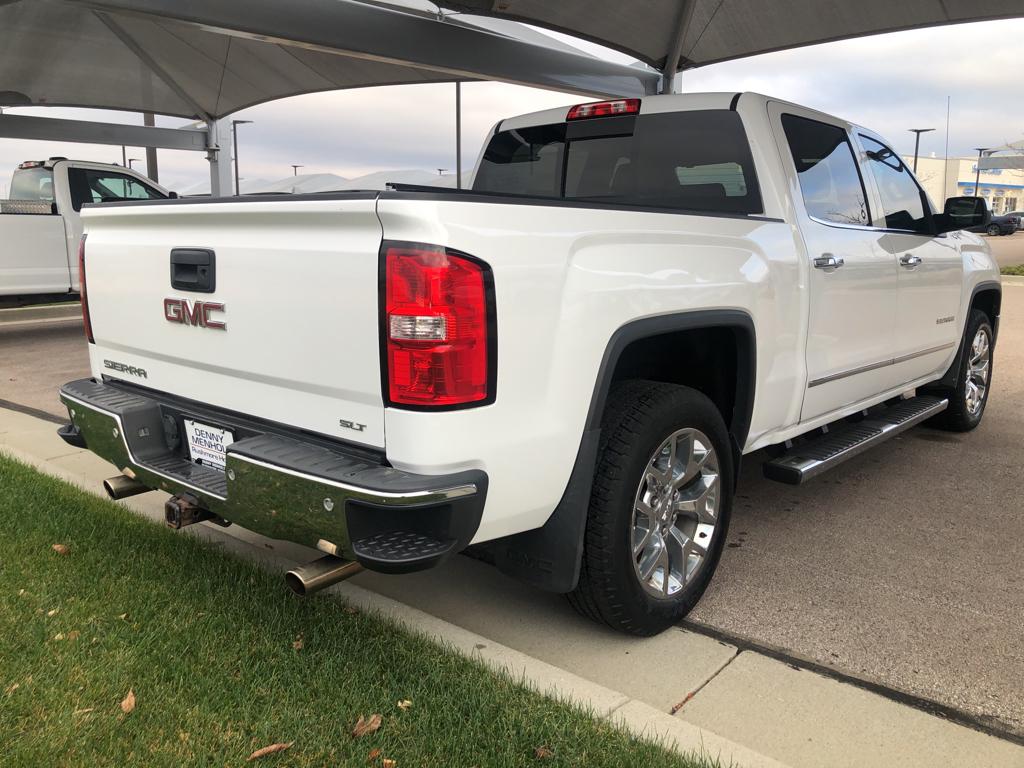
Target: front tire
994	230
967	400
659	510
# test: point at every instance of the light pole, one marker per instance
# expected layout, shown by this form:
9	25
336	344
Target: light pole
132	160
917	142
234	139
977	175
295	169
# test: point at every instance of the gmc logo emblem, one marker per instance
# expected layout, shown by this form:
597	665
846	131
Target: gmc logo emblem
196	313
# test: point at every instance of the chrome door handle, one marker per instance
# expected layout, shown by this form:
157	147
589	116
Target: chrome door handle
909	261
828	262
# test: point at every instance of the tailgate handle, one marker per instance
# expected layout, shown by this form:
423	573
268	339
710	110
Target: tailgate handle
194	269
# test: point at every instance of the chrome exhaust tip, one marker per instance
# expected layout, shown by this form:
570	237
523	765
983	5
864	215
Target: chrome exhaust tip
320	574
122	486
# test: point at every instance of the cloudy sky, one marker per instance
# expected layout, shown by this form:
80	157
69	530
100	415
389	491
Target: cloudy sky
888	82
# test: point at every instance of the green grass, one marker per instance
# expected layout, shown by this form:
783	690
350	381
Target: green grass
205	641
1015	269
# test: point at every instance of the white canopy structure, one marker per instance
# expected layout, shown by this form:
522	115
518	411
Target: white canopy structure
211	58
671	35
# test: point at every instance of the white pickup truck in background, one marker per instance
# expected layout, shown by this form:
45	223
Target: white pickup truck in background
40	225
560	368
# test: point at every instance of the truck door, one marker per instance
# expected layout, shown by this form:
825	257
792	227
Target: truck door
930	268
851	276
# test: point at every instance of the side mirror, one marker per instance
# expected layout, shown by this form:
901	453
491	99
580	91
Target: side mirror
172	195
963	213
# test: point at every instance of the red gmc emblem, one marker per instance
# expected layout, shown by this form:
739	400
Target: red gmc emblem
195	313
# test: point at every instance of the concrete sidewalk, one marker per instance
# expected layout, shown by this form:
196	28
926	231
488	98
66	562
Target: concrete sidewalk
738	705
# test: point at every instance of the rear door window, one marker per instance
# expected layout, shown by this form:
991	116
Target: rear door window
696	161
826	166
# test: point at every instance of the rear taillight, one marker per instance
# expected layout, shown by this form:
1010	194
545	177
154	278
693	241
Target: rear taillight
604	109
86	320
438	327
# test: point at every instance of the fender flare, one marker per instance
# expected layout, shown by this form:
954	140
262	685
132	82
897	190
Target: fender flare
549	557
951	376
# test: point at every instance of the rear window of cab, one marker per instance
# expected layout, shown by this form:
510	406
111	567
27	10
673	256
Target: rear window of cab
689	161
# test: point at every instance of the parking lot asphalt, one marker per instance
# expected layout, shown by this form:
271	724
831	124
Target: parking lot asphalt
901	567
1007	249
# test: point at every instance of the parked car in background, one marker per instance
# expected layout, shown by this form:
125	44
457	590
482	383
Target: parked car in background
563	365
40	226
1020	218
1006	224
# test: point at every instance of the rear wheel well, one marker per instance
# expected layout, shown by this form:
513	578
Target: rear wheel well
715	361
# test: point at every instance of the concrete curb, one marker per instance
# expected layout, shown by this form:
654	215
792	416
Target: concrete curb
634	716
45	313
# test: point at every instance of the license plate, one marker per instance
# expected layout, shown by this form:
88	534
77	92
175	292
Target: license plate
207	445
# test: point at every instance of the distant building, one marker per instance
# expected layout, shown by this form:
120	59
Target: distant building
1003	189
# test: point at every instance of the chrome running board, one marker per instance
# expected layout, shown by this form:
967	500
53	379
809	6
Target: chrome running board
820	454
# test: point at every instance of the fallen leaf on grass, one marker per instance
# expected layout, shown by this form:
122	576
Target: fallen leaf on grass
74	634
61	549
59	636
53	612
404	704
366	725
21	592
271	750
297	645
543	753
128	703
123	616
12	688
374	754
388	763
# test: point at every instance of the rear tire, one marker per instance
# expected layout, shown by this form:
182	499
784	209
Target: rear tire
659	510
967	400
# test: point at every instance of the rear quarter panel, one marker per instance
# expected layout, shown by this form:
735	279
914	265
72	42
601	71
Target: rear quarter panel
566	278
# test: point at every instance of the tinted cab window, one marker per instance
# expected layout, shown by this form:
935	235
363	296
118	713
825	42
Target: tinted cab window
697	161
826	166
94	186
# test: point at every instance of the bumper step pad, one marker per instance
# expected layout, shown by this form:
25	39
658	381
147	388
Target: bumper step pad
820	454
396	550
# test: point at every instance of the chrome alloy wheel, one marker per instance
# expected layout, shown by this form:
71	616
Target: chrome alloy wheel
978	366
675	513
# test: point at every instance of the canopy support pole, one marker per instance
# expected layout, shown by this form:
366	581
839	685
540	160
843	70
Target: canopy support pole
675	52
458	134
220	172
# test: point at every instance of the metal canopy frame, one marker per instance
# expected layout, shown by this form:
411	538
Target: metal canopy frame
443	45
386	45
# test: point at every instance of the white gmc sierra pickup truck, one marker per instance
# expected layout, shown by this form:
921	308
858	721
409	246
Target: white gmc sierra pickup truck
40	226
560	368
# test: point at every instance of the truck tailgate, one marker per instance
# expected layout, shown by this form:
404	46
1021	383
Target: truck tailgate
295	287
